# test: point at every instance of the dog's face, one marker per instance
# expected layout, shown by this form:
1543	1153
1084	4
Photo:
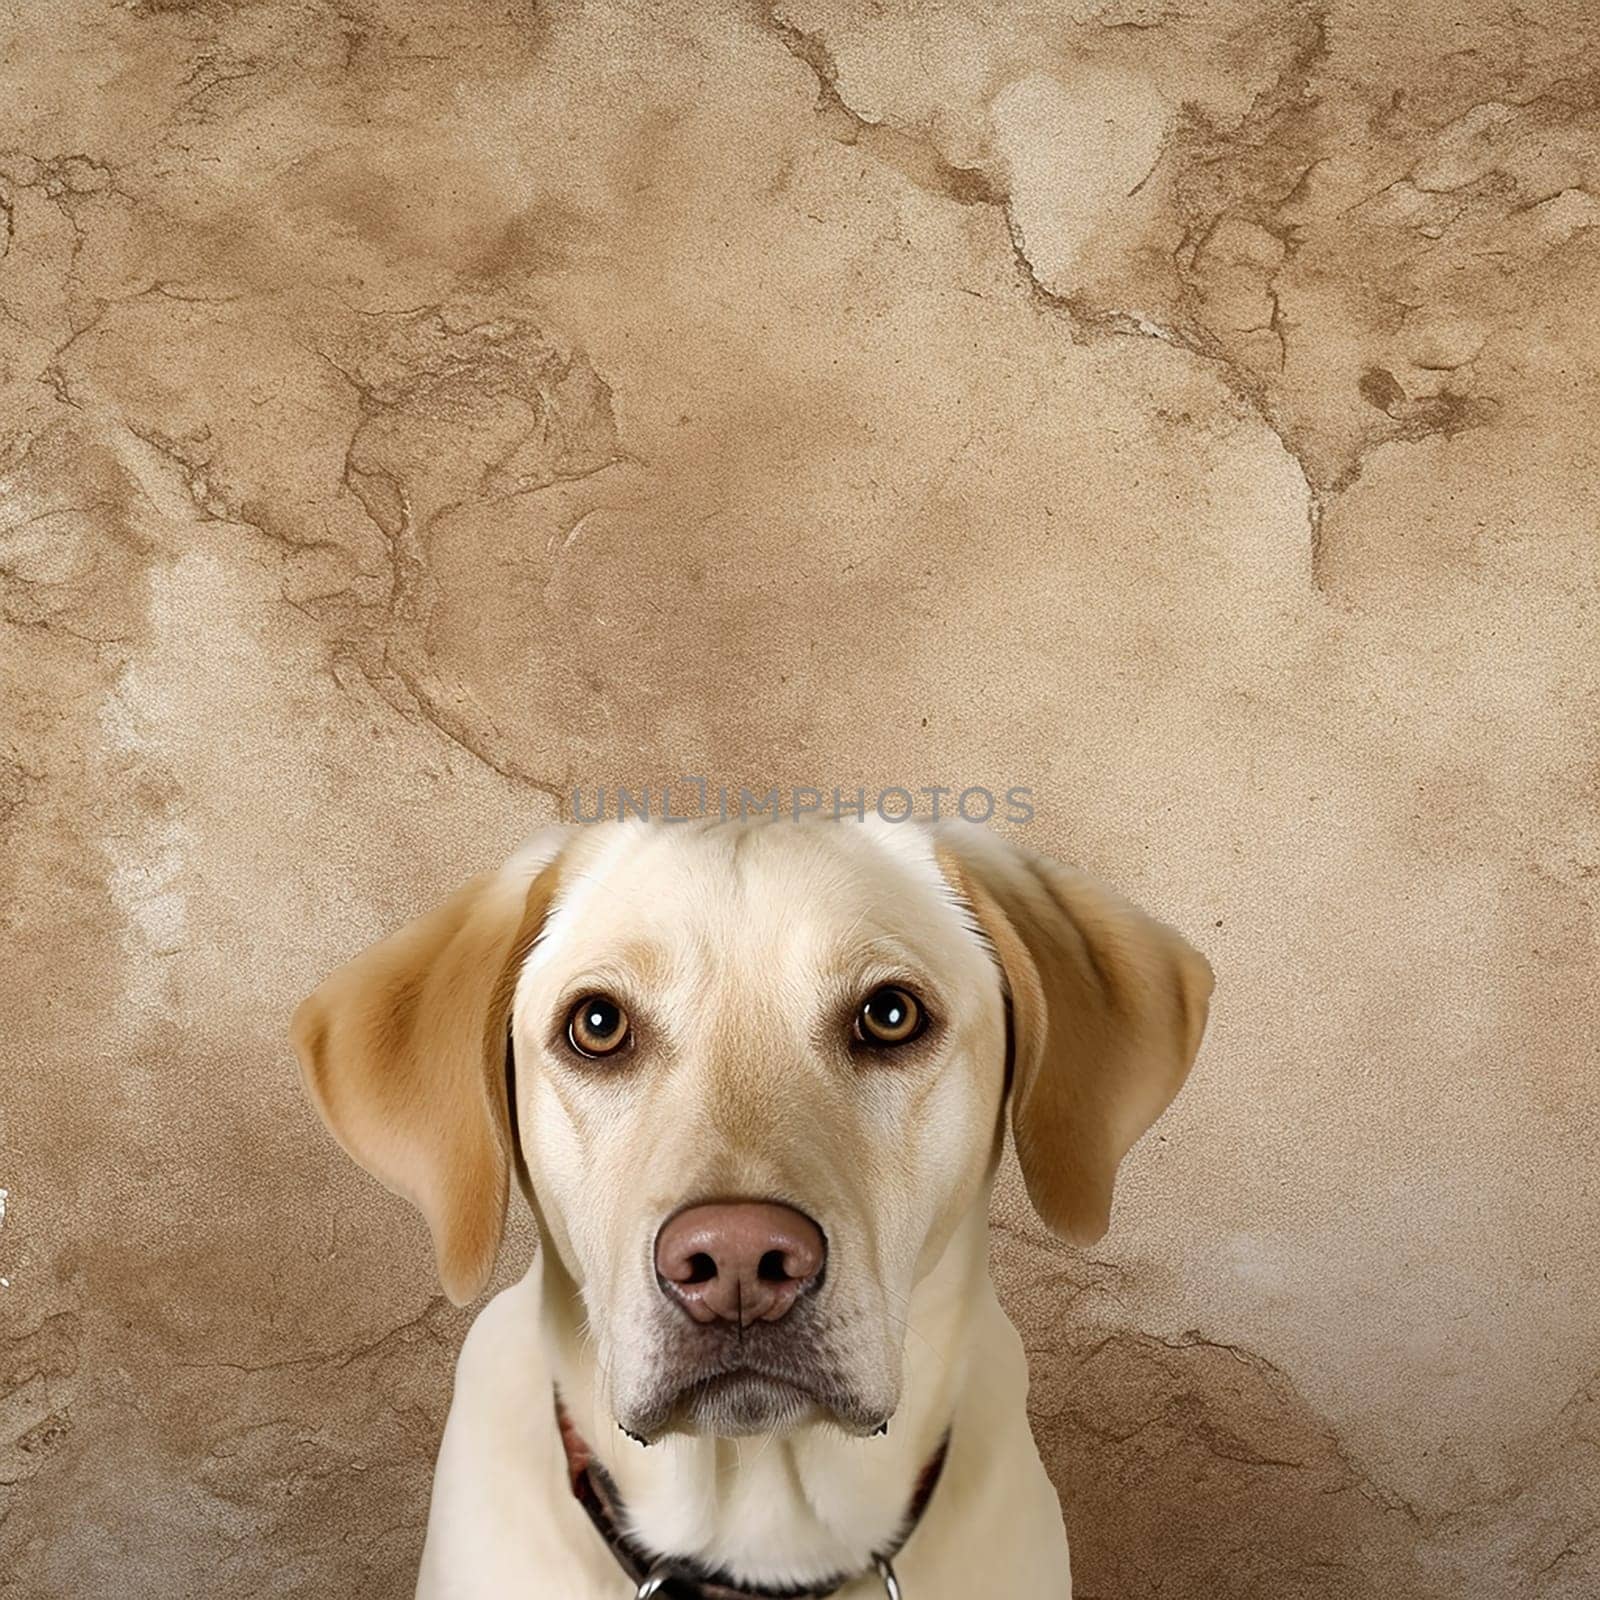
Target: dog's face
797	1016
759	1072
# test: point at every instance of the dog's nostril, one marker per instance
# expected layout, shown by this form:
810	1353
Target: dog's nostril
702	1269
783	1266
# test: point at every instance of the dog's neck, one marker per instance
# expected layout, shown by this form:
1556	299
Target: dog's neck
813	1504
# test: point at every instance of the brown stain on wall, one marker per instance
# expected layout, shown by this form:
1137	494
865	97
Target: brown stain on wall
408	414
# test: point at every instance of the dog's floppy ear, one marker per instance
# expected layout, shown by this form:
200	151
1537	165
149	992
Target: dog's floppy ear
1107	1009
404	1053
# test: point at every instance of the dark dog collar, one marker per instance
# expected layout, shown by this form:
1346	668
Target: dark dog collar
665	1578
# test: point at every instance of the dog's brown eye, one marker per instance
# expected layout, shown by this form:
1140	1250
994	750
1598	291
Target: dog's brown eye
598	1026
889	1016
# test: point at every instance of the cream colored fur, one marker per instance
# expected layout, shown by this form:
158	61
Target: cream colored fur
738	949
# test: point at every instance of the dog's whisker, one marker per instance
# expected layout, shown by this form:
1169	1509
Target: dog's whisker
911	1329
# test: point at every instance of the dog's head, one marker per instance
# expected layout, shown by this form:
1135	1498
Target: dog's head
758	1074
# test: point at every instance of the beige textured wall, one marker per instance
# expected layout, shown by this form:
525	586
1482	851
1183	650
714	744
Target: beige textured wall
409	409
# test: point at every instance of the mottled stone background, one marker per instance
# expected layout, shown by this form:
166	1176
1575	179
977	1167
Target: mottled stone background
412	408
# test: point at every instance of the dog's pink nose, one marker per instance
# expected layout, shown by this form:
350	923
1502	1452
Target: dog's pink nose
743	1262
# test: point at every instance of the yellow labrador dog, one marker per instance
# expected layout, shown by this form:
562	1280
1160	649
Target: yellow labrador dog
751	1078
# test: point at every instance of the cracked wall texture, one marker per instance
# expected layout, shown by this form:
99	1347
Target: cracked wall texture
409	410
